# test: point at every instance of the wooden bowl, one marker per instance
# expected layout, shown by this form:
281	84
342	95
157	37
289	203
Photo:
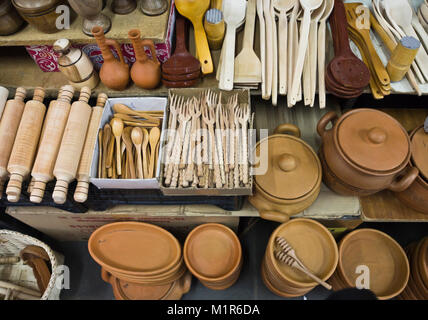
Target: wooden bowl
314	246
386	260
134	248
212	252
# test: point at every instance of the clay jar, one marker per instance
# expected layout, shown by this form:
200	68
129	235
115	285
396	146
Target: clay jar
114	73
365	151
416	196
292	181
145	72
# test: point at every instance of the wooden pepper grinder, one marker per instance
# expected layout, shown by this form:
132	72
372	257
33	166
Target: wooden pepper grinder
26	142
53	129
75	65
402	58
8	127
83	173
71	145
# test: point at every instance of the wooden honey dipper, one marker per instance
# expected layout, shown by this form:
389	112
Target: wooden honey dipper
25	145
83	172
8	127
50	140
290	261
288	249
72	143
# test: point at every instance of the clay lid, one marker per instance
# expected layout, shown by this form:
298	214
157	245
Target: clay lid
420	151
373	140
212	251
134	248
386	260
293	168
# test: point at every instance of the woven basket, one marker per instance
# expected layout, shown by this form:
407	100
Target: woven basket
11	243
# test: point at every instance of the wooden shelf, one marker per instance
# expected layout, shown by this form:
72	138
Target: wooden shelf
154	28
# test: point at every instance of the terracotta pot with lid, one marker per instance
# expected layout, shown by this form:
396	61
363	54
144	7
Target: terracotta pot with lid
292	181
365	151
416	196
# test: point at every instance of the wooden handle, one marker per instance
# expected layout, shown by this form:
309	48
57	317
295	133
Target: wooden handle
83	172
402	58
321	64
25	145
202	47
227	77
72	145
282	52
262	45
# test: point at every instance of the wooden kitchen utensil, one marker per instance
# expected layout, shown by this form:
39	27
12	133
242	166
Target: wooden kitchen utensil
194	10
114	73
83	172
153	140
25	145
50	141
4	94
107	133
100	153
259	7
117	129
402	58
38	259
72	144
144	151
9	124
248	67
137	140
214	25
127	140
234	13
121	108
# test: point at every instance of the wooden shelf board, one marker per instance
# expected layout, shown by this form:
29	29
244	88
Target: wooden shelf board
154	28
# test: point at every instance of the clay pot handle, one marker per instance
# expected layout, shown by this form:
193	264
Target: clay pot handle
403	183
105	275
185	283
324	121
151	45
115	44
274	216
287	128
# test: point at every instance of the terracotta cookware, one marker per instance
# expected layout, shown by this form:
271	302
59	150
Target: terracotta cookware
292	180
10	20
314	246
416	196
384	257
365	151
212	252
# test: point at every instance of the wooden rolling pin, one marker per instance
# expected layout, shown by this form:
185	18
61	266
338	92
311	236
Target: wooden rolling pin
71	148
402	58
83	173
4	93
26	142
53	129
8	127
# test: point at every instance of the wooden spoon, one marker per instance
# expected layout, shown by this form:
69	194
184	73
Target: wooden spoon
137	140
117	128
121	108
194	10
126	137
106	141
153	139
144	151
181	62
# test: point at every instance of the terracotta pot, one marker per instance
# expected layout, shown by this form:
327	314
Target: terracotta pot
212	252
292	181
145	72
416	196
367	150
41	14
384	257
10	20
114	73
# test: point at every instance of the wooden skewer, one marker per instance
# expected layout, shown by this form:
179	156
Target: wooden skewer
290	261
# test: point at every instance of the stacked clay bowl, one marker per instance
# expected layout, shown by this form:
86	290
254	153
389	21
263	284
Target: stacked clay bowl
417	287
213	254
314	246
388	267
141	261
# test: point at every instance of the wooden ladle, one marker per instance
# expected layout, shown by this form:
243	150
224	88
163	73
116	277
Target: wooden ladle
194	10
117	128
346	69
181	62
137	140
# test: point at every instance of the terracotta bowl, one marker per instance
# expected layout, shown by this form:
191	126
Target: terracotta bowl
212	252
134	248
423	261
314	246
415	255
386	260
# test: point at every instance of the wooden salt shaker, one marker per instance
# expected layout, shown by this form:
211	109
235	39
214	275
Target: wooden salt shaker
9	124
83	173
53	129
75	65
402	58
26	142
71	148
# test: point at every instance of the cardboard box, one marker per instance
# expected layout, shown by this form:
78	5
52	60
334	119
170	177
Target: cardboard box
180	220
140	104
